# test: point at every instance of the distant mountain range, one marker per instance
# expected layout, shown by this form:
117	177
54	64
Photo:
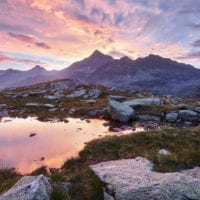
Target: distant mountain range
152	73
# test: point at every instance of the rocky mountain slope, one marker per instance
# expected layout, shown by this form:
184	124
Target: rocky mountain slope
152	73
16	78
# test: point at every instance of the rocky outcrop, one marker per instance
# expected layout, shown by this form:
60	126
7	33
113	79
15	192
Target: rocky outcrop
84	93
143	102
29	188
189	107
94	93
171	117
134	179
77	93
187	115
120	111
4	113
149	118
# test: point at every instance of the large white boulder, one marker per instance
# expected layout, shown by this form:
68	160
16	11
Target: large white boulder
29	188
120	111
134	179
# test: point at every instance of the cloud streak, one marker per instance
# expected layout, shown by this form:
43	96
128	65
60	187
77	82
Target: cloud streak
29	40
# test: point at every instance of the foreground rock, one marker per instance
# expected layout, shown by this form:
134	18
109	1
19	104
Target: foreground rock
120	111
133	179
29	188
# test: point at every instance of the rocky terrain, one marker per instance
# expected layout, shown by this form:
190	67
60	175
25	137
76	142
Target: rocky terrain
170	144
128	179
60	99
152	74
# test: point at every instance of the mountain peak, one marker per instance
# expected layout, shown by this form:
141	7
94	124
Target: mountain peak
99	57
97	53
38	68
154	56
126	59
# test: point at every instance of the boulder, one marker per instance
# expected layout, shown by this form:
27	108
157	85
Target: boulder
50	97
29	188
149	118
171	117
94	93
134	179
120	111
32	105
143	102
188	107
72	111
2	106
187	115
164	152
48	105
4	113
90	101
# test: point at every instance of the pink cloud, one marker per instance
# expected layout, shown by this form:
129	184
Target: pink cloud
29	40
23	38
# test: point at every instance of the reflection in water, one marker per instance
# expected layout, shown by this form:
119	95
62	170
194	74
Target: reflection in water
52	145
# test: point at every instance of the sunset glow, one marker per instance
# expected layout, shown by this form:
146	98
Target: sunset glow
57	33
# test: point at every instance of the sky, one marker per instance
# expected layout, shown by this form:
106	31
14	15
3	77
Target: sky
55	34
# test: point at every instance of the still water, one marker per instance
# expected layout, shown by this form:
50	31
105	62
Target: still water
51	144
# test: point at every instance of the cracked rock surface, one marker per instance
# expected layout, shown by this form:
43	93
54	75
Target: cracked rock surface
134	179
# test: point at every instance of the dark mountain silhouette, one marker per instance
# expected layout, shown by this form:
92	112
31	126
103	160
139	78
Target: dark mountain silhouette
152	73
81	70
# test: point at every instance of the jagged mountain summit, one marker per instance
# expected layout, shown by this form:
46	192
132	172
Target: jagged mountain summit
83	69
152	73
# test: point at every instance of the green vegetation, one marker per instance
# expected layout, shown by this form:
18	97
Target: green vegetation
184	145
85	184
57	194
40	170
8	177
155	110
57	177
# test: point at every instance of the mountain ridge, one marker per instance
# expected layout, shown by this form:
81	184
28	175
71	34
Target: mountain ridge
152	73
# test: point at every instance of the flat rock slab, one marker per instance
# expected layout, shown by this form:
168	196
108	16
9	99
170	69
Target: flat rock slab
133	179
